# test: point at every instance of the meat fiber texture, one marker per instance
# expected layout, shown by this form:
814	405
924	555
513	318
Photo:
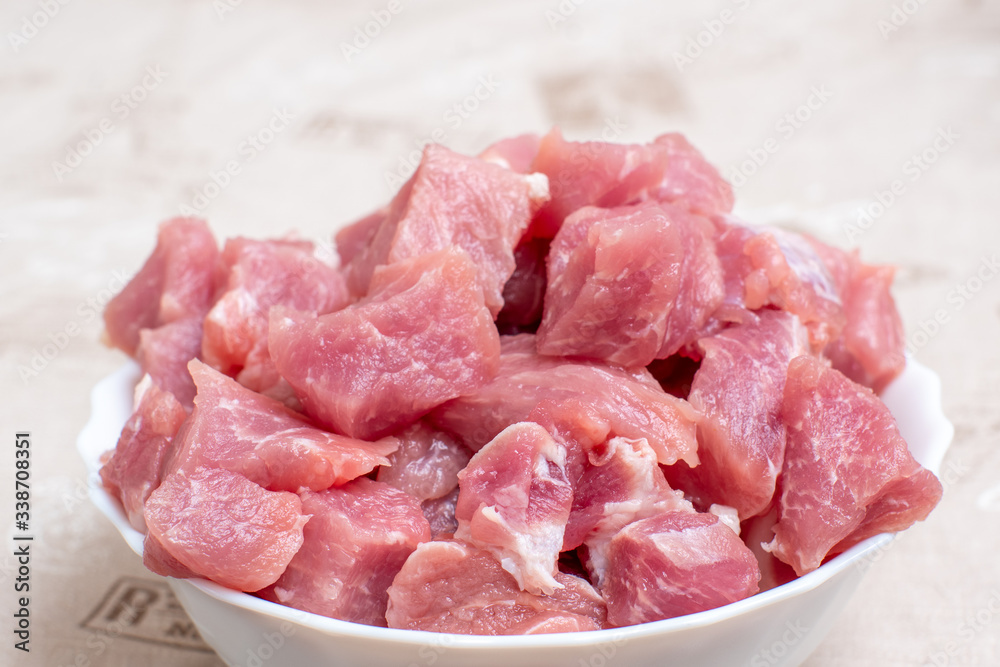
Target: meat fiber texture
553	387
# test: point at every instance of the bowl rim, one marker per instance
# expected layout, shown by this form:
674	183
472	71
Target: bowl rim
104	412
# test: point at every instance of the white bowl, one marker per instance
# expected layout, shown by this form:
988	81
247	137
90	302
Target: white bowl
781	626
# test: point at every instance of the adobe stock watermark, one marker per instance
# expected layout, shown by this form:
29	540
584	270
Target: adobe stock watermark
561	13
246	152
34	23
780	647
915	166
453	119
368	32
957	298
697	44
967	630
224	7
87	311
786	127
121	108
899	16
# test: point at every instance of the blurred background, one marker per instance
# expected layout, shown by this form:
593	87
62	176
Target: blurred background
868	124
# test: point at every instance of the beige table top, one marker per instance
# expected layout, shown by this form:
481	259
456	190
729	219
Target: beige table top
116	114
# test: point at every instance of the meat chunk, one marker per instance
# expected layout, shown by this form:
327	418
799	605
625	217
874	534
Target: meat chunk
427	463
380	364
629	284
259	275
224	527
514	153
629	403
164	353
524	292
453	587
176	283
847	473
673	564
440	513
739	389
136	465
358	538
514	500
602	174
455	200
236	429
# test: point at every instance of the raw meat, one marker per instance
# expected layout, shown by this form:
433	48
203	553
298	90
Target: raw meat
226	528
354	544
604	174
847	474
454	199
236	429
514	500
524	292
176	282
629	402
675	563
164	353
629	284
514	153
453	587
352	240
378	365
427	463
136	465
259	275
440	513
739	389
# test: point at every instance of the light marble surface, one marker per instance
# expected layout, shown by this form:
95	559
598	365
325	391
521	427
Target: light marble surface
204	77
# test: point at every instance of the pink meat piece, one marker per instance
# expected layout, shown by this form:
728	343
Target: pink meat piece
675	563
514	153
259	275
355	237
629	284
427	463
440	513
756	532
164	353
253	435
847	473
630	403
621	483
604	174
224	527
739	389
458	200
136	464
358	538
423	336
514	500
176	283
449	586
524	292
157	559
870	348
259	374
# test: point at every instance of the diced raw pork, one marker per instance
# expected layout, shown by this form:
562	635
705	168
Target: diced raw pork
629	284
514	500
259	275
514	153
675	563
259	374
355	237
454	199
453	587
356	541
757	532
164	353
422	337
870	348
136	465
630	402
524	292
176	283
157	559
739	389
605	174
847	474
236	429
427	463
226	528
621	483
